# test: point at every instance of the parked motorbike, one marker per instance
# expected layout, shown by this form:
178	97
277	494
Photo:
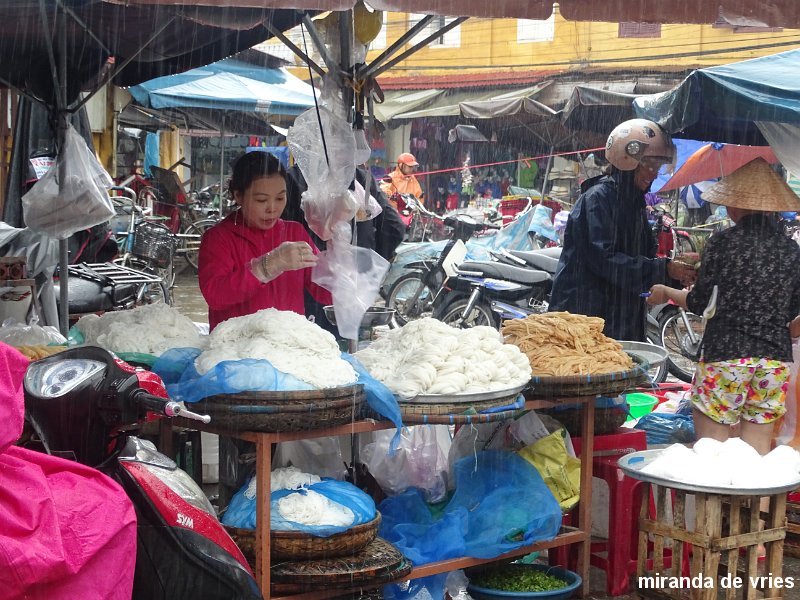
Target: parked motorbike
413	295
78	403
513	285
102	287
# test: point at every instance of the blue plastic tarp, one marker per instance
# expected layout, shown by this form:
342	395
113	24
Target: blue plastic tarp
229	84
725	102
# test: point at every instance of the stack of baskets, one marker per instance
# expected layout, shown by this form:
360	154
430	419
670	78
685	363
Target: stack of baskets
301	562
284	411
155	243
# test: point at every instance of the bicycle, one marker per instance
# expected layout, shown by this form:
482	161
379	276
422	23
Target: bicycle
194	217
145	246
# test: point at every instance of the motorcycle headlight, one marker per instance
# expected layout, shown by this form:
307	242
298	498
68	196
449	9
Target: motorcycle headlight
55	379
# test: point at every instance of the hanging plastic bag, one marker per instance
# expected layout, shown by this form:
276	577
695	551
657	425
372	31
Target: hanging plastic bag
789	433
353	275
72	195
419	462
328	165
320	456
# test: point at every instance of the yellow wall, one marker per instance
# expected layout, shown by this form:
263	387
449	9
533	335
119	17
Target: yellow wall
493	42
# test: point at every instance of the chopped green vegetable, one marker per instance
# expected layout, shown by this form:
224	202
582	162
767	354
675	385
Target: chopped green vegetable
517	578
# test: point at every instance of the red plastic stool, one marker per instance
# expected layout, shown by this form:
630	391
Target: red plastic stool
625	496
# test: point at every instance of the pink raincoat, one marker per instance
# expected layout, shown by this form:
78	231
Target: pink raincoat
66	530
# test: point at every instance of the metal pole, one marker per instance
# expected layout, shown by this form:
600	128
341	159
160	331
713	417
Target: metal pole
221	161
63	246
547	170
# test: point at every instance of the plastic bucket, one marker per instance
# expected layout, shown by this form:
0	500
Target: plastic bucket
640	404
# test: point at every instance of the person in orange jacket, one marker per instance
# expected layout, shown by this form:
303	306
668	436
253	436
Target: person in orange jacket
402	180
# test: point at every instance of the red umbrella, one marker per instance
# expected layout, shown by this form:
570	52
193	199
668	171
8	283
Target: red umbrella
713	161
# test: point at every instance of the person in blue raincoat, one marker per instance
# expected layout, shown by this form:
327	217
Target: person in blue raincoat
609	256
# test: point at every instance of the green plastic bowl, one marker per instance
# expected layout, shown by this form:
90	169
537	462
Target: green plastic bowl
640	404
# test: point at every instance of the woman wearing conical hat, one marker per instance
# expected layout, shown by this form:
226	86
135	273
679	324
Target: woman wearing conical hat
743	374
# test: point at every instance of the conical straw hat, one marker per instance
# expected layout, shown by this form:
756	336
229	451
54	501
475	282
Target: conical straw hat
754	186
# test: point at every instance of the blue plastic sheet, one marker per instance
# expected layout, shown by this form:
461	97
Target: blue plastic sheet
500	504
185	384
241	511
380	399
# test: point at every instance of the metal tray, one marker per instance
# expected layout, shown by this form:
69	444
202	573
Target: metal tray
652	354
374	317
465	398
633	462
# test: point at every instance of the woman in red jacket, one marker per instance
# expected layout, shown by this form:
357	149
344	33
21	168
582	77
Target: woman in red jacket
253	259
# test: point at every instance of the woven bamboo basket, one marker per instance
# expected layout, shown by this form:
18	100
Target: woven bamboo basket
377	564
549	388
298	545
284	411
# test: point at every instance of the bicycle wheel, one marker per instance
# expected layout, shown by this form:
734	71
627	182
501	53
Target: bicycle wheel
148	293
410	298
674	339
657	374
192	244
481	314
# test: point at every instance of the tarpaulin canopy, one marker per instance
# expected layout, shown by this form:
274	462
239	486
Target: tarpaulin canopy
228	85
726	102
771	13
156	39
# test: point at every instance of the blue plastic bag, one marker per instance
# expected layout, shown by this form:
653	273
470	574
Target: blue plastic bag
501	503
241	511
667	428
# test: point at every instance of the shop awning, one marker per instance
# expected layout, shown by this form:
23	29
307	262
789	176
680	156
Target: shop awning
726	102
228	85
398	102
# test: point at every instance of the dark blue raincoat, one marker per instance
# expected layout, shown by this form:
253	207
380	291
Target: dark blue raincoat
608	258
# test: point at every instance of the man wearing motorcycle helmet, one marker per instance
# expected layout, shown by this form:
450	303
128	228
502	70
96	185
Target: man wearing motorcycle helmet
609	256
402	179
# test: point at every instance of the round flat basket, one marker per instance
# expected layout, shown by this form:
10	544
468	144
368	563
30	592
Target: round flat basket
299	545
377	564
458	419
456	405
283	411
543	387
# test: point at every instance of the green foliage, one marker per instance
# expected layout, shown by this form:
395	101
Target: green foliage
517	578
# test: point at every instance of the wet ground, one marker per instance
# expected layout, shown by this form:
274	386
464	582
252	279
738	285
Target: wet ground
187	299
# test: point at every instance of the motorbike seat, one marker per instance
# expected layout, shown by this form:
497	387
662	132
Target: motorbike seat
546	259
498	270
88	296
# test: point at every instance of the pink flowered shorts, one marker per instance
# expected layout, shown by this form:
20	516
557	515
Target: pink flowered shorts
753	389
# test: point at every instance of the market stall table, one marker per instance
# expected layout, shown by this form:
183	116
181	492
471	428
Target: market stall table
726	523
265	441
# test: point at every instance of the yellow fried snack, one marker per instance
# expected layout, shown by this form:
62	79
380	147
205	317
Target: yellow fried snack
560	344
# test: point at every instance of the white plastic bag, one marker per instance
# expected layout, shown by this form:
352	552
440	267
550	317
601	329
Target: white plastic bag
319	456
353	275
420	460
72	195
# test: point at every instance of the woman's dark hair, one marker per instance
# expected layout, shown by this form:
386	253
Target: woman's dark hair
251	166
